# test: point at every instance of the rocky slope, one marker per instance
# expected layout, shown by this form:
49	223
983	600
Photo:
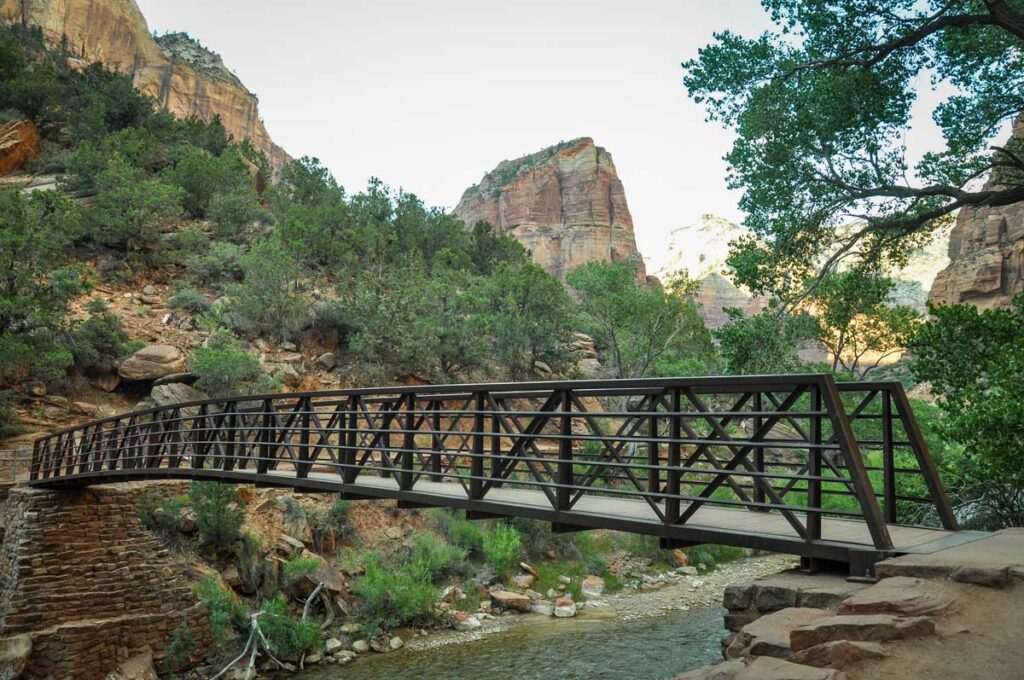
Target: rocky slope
186	78
986	252
566	204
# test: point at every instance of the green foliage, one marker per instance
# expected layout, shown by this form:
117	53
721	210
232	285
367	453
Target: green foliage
190	300
219	513
228	614
9	423
501	546
129	209
235	211
267	302
289	637
202	176
765	343
855	320
467	535
975	364
225	369
641	330
37	285
179	651
218	265
298	568
395	596
435	557
334	521
821	106
161	515
98	340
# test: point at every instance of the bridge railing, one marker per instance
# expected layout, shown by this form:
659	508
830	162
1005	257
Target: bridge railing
677	448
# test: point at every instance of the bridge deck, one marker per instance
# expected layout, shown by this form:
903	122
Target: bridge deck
841	539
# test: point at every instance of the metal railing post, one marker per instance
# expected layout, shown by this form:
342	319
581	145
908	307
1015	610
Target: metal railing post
565	462
814	468
476	463
305	422
888	460
349	471
408	444
673	486
758	453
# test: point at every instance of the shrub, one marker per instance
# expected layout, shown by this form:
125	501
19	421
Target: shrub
225	369
235	211
299	567
501	546
190	300
10	425
161	515
228	614
436	557
219	513
98	340
393	597
334	520
129	210
288	637
218	264
179	650
467	534
267	302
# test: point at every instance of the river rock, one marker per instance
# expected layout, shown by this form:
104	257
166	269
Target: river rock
838	654
761	668
770	634
152	362
510	600
565	608
332	646
464	621
395	643
451	594
593	586
545	607
522	581
344	656
859	627
529	570
360	646
900	595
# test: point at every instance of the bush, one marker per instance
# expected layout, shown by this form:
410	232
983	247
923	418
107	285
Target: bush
436	557
228	614
334	521
129	210
467	534
98	340
161	515
235	211
182	645
10	425
289	638
267	301
299	567
225	369
218	264
219	513
394	597
190	300
501	546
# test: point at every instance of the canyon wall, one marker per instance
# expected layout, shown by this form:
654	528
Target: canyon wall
986	252
181	75
566	204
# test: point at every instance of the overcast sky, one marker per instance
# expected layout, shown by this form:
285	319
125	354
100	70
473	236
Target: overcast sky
429	95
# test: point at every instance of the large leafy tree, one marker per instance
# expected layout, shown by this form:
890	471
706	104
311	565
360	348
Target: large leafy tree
975	364
640	330
821	106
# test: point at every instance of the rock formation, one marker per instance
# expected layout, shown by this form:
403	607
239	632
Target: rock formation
19	143
186	78
986	252
566	204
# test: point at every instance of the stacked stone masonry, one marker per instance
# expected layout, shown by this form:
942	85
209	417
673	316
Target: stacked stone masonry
90	586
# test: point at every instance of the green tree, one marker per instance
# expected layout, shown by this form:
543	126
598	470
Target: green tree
765	343
975	364
267	302
225	369
36	284
529	318
130	210
640	330
821	106
857	326
219	513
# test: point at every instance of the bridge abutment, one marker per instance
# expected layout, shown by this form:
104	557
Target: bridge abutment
86	583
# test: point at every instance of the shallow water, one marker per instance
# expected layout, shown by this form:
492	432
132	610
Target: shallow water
646	649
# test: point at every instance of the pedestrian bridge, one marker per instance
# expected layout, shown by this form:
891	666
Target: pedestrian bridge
799	464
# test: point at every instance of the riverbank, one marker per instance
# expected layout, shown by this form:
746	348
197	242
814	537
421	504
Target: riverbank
653	632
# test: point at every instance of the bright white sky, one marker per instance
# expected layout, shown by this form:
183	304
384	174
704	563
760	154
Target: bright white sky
429	95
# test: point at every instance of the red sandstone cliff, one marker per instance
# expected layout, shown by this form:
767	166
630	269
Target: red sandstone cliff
986	253
566	204
183	76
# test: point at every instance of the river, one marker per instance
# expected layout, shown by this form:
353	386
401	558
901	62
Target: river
645	649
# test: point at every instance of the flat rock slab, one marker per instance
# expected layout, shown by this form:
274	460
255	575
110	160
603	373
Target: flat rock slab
860	627
838	654
770	634
761	668
993	560
900	595
510	600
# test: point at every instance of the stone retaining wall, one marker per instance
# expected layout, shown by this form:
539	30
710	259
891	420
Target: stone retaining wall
87	583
